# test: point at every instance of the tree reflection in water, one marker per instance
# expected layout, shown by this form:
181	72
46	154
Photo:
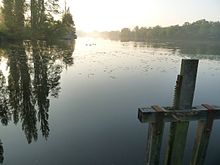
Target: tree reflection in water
1	152
34	74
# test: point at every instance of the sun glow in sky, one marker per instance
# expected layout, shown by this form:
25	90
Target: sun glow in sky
106	15
101	15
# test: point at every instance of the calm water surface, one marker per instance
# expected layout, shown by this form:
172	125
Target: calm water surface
78	105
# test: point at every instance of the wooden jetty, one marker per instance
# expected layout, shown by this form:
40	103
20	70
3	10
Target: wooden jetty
180	114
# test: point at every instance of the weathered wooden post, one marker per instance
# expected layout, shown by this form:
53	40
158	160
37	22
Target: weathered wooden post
154	139
183	100
179	115
203	133
156	117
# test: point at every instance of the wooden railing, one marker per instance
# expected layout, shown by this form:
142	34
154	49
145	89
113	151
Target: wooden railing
180	114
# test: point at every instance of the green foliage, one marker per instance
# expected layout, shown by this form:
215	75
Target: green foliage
201	30
67	19
53	30
126	34
2	28
13	13
41	23
19	15
8	13
68	26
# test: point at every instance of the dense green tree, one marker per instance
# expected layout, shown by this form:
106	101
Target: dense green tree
13	11
42	16
8	8
126	34
34	19
34	15
67	19
19	15
38	16
200	30
68	25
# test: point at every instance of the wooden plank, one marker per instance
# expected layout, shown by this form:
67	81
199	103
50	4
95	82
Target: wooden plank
189	72
177	140
197	113
154	139
203	133
178	131
157	108
201	143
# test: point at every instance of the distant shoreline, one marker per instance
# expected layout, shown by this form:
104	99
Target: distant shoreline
199	31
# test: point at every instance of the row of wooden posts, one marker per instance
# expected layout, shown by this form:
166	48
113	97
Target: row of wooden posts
180	114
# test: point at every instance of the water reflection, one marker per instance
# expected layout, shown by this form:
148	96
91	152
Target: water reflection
189	48
34	69
4	110
1	152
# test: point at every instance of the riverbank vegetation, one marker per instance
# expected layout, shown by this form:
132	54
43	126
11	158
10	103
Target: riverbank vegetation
201	30
35	19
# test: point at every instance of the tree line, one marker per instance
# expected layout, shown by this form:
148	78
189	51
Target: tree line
35	19
201	30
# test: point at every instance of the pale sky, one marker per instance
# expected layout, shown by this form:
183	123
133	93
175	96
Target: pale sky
106	15
101	15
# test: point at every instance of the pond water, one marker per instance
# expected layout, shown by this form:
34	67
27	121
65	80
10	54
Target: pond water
77	103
